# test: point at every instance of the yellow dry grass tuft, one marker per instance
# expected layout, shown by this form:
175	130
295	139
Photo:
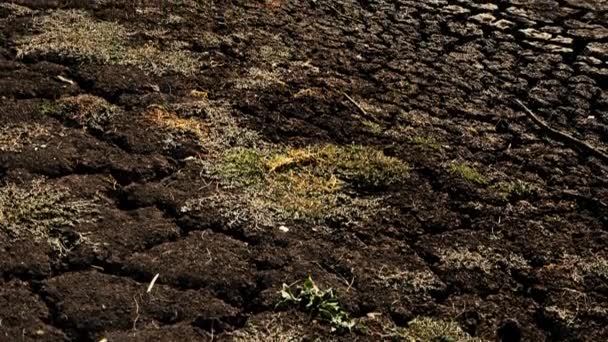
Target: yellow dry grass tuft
75	35
168	120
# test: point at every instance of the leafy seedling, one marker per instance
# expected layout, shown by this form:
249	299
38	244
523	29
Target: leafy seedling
320	303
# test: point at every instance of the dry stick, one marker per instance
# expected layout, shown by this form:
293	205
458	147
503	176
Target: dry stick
365	114
563	136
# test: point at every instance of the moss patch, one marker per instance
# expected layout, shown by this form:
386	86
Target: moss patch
77	36
468	173
40	211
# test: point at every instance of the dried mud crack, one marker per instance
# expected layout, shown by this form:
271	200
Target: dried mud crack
236	149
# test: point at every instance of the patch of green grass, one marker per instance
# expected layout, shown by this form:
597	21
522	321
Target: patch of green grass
75	35
264	185
40	211
426	142
360	166
86	111
320	303
373	127
313	184
517	190
468	173
243	167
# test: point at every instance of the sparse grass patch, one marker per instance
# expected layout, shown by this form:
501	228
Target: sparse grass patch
429	329
581	267
483	258
319	303
372	127
16	10
211	124
468	173
14	138
75	35
86	111
426	142
314	184
257	78
40	210
420	329
271	332
274	54
517	190
409	281
597	266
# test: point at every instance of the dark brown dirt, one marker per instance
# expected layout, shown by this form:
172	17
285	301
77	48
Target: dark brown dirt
437	78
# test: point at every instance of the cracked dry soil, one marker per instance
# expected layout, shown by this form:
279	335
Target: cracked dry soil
114	128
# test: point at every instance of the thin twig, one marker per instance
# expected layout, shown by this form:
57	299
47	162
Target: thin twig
355	103
363	111
136	314
567	138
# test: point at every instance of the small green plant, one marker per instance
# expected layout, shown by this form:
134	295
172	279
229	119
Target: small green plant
321	303
468	173
517	190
